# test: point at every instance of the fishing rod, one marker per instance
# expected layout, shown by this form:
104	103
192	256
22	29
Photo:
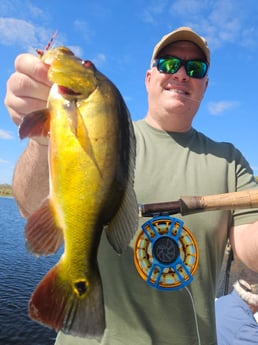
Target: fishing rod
195	204
166	253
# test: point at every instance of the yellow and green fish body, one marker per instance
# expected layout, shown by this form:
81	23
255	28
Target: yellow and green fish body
91	163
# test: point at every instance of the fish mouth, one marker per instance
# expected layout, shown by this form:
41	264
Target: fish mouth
62	90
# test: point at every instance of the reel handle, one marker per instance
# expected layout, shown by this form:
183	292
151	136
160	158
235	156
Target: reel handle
194	204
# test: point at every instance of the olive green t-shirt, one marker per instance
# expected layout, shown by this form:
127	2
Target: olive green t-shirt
170	165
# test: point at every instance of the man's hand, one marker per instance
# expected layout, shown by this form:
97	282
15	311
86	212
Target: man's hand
28	87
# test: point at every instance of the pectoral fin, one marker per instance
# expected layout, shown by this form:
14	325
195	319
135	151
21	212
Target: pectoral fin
35	124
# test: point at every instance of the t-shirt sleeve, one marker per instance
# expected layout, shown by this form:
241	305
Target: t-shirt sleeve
244	180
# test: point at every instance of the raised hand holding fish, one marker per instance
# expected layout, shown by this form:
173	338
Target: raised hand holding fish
29	80
91	163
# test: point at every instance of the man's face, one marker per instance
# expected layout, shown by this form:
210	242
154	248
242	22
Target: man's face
176	93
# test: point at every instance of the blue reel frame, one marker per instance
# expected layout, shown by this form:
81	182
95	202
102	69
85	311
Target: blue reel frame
166	254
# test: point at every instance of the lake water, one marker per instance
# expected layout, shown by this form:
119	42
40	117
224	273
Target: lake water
19	274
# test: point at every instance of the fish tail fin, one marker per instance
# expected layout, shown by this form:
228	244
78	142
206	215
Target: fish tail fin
75	307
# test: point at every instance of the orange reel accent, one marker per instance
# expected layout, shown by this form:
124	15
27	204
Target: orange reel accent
166	253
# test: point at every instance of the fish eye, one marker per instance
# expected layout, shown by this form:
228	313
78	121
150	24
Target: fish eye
87	63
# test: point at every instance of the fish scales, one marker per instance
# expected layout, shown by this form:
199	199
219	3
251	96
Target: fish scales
91	164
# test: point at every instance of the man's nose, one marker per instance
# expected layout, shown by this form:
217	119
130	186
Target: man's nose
181	74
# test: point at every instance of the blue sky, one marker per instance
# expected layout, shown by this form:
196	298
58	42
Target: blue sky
118	36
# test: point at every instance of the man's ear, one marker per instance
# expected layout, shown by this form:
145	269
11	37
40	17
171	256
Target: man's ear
147	79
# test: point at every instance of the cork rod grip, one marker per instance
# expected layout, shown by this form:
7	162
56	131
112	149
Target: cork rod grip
227	201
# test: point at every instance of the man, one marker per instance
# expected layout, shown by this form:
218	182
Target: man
235	320
173	159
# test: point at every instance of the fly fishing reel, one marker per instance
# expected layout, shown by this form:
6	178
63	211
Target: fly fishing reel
166	254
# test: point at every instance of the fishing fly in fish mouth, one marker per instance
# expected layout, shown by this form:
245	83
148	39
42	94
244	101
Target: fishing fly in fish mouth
91	164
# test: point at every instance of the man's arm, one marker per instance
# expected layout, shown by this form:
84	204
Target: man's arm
27	91
244	241
30	180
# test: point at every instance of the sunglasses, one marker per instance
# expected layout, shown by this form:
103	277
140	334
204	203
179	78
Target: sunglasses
171	64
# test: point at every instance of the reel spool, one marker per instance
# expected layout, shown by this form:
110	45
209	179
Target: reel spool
166	254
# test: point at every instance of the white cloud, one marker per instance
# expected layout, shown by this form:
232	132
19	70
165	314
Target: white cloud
190	7
22	33
127	99
255	169
78	51
24	9
16	31
147	17
36	11
84	29
2	161
151	14
217	108
220	21
5	135
99	60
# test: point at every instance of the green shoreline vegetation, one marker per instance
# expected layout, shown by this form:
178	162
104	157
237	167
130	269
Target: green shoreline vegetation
6	189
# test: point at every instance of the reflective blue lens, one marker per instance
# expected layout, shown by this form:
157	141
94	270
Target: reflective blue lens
170	65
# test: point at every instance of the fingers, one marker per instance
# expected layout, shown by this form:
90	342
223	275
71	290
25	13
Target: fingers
18	107
33	67
28	88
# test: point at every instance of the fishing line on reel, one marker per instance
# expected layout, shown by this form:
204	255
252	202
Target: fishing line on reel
166	256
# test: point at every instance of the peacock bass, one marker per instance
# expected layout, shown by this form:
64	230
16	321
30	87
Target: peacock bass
91	165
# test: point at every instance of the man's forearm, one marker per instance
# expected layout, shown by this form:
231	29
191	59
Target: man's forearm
244	240
30	180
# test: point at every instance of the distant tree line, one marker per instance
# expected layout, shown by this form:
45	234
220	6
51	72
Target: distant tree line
6	190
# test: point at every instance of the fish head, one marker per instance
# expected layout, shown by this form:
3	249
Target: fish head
76	78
